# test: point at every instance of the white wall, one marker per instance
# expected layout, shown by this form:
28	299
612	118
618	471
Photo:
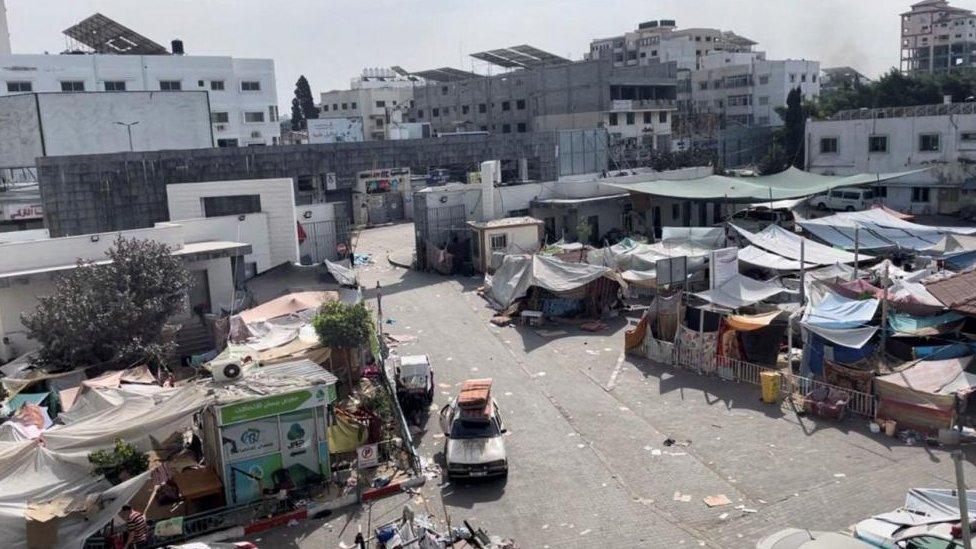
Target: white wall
185	201
144	73
20	139
253	230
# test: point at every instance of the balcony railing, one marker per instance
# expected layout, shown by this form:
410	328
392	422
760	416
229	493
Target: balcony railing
625	105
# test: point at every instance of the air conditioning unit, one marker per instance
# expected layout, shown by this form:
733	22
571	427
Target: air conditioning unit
230	370
221	127
256	135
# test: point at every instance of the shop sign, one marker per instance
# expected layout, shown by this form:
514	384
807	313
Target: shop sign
249	439
273	405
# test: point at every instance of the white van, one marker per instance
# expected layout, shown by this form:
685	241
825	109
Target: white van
844	198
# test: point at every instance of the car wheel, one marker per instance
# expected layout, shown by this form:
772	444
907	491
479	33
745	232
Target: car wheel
850	208
822	206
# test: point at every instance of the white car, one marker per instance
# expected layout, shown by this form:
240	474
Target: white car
903	529
844	198
474	447
796	538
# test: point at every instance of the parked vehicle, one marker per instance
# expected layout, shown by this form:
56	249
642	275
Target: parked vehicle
415	387
473	429
904	530
844	198
796	538
758	218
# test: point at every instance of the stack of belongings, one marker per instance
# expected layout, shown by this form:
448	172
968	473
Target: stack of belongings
475	400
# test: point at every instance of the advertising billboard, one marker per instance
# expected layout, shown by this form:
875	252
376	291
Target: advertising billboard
335	130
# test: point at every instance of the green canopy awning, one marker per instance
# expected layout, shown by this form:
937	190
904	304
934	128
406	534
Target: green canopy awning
792	183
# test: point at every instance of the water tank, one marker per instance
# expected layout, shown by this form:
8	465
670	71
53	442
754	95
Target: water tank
177	47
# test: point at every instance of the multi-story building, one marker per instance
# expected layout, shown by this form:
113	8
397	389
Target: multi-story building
836	78
660	41
378	97
937	37
242	95
744	89
939	138
632	103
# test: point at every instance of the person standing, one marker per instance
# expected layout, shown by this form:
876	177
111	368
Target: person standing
136	528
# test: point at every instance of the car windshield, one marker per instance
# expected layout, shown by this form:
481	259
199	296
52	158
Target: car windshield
473	429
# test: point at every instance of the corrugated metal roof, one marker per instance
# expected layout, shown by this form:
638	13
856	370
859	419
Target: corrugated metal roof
958	292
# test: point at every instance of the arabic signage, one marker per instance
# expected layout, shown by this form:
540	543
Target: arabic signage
384	181
335	130
273	405
250	439
15	212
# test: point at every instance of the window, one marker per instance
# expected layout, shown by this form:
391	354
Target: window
704	86
506	105
920	194
217	206
520	104
763	99
217	85
224	143
345	106
676	213
443	90
803	78
483	128
519	213
498	242
881	191
506	128
335	106
254	116
19	87
828	145
447	111
382	105
435	112
420	115
648	117
967	137
482	108
763	79
813	77
170	85
792	77
114	85
325	108
630	119
219	118
521	128
613	119
662	117
465	109
250	85
379	122
72	85
353	105
928	142
878	143
272	113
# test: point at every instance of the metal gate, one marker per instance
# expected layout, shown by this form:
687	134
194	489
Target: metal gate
384	208
435	226
322	240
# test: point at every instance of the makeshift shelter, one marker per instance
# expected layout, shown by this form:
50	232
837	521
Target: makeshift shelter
836	329
778	241
877	229
791	183
279	321
518	273
923	396
740	291
956	292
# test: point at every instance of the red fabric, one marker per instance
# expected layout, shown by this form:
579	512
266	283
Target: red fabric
302	237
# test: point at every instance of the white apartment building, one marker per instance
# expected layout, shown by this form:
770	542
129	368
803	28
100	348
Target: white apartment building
378	97
661	41
939	138
242	95
937	37
745	88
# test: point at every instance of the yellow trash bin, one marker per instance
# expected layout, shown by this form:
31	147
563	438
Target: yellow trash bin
769	381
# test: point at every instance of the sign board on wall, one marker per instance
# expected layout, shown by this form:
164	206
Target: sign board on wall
274	405
249	439
20	211
335	130
723	265
384	180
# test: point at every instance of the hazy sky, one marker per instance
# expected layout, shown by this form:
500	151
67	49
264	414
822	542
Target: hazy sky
330	41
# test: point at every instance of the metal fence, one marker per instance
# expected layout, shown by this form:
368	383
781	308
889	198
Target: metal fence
791	385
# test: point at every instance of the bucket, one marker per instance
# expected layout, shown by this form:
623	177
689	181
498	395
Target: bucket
769	382
891	426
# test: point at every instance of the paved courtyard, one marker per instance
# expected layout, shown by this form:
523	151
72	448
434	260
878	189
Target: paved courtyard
587	425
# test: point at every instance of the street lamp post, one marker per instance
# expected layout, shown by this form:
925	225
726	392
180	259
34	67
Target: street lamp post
128	129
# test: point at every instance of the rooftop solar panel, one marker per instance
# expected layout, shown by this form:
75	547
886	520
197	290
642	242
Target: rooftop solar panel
104	35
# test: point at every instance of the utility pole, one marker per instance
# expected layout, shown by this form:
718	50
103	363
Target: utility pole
967	536
128	129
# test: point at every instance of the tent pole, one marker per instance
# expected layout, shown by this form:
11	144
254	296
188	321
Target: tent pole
884	309
967	540
857	248
803	271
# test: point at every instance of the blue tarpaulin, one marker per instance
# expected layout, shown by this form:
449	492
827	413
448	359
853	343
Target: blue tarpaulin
836	312
922	325
817	347
19	400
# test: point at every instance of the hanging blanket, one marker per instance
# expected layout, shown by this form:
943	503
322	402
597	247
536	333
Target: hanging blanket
698	350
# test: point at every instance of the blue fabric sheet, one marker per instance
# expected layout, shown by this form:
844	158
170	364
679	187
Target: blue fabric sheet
838	312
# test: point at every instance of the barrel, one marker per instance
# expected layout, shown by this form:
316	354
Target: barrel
769	382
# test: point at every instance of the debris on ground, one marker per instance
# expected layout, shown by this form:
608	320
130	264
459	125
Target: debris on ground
401	338
678	496
595	326
717	500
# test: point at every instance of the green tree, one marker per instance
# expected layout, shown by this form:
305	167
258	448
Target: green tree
774	161
791	135
344	329
303	106
123	462
110	314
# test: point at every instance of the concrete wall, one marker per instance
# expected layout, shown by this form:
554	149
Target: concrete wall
20	141
253	230
44	73
84	123
84	194
185	201
521	239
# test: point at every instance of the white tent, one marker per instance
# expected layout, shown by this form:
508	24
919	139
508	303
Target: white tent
740	291
779	241
518	273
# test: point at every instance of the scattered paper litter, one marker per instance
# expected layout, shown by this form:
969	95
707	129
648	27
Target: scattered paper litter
655	452
723	516
584	532
839	475
678	496
717	500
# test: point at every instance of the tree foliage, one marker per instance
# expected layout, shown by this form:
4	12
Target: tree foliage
303	106
124	458
110	314
341	326
787	148
895	89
